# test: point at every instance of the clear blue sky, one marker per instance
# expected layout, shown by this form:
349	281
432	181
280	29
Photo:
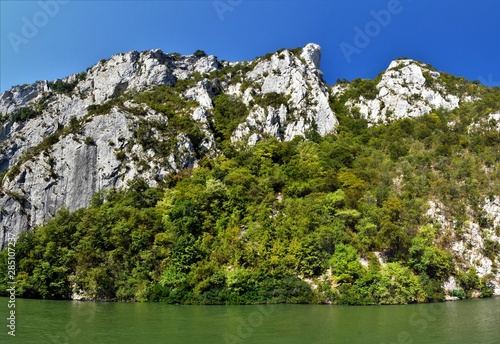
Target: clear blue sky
457	36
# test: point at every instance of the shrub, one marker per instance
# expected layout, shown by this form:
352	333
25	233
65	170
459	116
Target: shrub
175	56
229	111
273	99
89	141
199	53
13	172
24	114
457	293
60	86
362	87
120	155
100	109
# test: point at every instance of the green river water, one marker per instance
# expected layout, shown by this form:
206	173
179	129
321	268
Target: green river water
40	321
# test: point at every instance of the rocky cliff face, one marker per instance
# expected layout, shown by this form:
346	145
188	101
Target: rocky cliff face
61	142
470	244
299	79
406	89
59	155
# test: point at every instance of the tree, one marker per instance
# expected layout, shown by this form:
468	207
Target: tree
398	285
199	53
425	257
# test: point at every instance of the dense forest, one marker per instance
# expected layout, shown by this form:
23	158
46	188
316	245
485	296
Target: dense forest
337	219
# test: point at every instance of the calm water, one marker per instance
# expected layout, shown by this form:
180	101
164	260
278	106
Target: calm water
37	321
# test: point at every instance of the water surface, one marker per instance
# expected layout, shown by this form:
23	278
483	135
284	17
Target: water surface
41	321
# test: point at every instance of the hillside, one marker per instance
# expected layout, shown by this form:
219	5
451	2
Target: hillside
190	179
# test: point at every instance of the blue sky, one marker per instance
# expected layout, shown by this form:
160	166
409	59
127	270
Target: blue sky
50	39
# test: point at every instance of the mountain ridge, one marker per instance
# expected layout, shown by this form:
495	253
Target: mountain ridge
153	115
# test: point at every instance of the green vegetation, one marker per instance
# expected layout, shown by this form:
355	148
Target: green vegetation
259	224
89	141
175	56
306	221
167	101
272	99
104	108
199	53
360	87
233	74
229	111
63	87
24	114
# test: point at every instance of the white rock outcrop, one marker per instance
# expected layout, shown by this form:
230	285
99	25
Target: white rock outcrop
403	91
469	246
312	54
23	95
307	107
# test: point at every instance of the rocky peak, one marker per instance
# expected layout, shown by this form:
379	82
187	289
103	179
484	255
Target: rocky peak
138	71
312	54
304	106
125	71
407	88
22	95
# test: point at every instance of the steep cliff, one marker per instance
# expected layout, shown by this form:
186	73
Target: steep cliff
65	140
154	115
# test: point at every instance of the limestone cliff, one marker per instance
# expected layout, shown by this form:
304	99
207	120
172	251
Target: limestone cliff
406	89
63	141
60	146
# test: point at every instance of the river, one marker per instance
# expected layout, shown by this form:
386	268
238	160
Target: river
42	321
